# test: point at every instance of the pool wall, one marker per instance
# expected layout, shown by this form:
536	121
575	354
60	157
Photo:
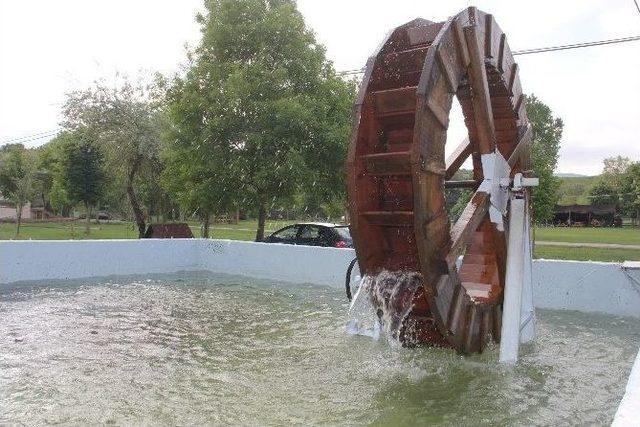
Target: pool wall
604	287
628	412
32	260
289	263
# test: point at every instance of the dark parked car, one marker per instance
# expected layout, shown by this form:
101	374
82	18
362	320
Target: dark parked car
313	234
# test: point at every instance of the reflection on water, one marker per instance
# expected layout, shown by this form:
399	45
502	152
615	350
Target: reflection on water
214	350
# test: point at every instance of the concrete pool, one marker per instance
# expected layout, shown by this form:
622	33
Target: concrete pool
196	349
80	303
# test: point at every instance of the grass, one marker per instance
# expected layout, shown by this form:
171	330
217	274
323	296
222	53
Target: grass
68	230
623	236
586	254
246	230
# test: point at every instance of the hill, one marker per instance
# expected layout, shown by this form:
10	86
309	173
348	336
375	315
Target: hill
569	175
574	189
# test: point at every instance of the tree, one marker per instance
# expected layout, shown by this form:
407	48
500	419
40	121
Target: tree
270	105
124	121
49	161
615	167
83	174
17	173
604	193
201	171
619	184
547	132
630	190
58	197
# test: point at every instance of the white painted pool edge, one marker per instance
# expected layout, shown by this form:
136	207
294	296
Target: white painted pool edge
565	285
628	413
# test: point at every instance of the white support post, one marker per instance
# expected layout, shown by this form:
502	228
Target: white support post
528	314
511	312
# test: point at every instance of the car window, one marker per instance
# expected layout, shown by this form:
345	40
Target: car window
343	232
310	232
327	237
285	235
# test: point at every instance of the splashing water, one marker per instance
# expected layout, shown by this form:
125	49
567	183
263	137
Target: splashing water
362	316
384	302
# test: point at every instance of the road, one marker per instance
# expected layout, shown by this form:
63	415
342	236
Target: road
586	245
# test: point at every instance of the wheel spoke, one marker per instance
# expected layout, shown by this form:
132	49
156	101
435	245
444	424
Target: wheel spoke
522	146
469	220
458	157
465	183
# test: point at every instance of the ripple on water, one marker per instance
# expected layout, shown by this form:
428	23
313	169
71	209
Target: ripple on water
215	350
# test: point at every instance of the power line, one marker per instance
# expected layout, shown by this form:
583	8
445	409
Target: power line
30	137
541	49
347	72
33	137
41	135
576	45
637	7
350	72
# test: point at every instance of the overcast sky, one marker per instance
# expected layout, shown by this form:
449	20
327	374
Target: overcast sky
48	48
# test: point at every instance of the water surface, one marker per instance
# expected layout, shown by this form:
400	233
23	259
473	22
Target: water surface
231	351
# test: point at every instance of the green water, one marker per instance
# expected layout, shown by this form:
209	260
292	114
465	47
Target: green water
229	351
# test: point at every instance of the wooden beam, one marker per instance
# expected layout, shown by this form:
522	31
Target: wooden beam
457	158
464	183
469	220
461	43
524	140
447	70
481	98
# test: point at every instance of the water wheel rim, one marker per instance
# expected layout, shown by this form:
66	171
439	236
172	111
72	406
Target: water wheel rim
451	51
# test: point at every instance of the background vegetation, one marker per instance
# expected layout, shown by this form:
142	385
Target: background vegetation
256	125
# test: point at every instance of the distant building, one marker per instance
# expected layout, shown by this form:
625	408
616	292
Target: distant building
587	216
38	209
8	210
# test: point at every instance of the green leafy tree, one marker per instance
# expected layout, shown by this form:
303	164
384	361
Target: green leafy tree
51	185
630	190
618	184
271	106
58	197
200	163
604	193
544	157
83	174
17	176
124	121
615	168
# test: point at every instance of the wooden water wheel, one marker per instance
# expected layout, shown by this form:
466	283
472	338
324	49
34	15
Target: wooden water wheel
398	174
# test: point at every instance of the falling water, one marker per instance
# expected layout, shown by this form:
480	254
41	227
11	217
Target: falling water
383	302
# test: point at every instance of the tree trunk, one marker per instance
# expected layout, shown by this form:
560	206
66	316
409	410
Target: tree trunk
133	199
87	208
262	218
18	217
205	225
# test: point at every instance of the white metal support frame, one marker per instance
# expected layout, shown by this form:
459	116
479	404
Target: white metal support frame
495	170
518	316
528	314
